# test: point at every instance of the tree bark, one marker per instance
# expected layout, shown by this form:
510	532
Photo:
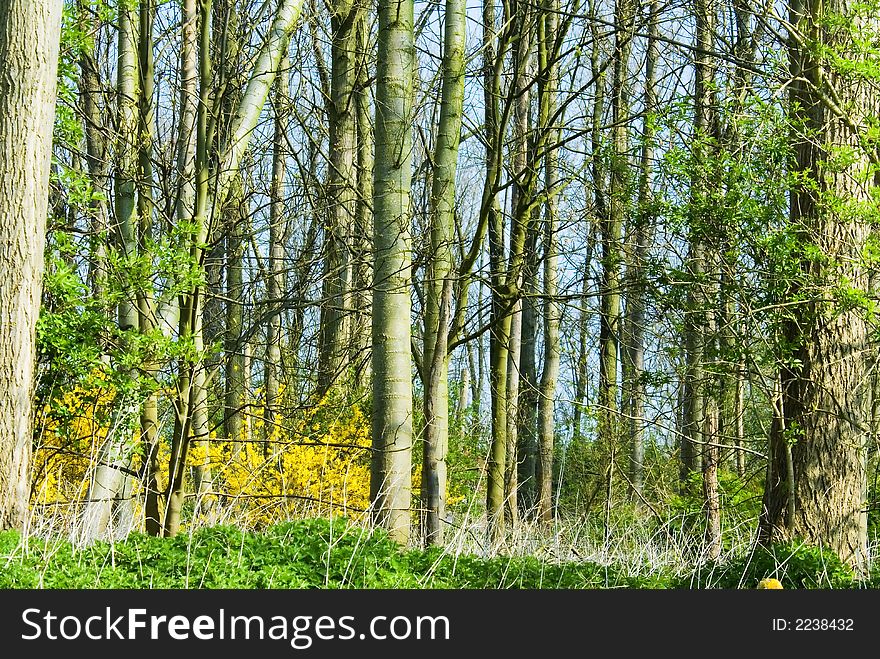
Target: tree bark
391	360
334	354
29	44
824	380
438	285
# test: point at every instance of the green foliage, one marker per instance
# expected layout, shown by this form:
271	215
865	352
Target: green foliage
795	564
324	553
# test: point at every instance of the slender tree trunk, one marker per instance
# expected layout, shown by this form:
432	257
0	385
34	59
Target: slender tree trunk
499	315
107	481
522	52
708	316
391	360
272	416
548	84
188	382
96	160
511	465
146	310
612	233
107	475
363	221
438	286
636	285
333	350
29	43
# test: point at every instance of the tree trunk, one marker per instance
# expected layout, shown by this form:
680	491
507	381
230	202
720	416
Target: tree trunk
391	361
547	89
824	397
185	207
707	314
144	293
511	464
612	233
438	286
272	416
522	52
29	42
636	288
333	353
363	220
499	320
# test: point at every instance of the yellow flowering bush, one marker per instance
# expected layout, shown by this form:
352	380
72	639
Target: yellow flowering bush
71	430
316	463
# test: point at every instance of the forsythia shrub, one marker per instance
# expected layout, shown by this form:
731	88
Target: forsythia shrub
71	430
317	462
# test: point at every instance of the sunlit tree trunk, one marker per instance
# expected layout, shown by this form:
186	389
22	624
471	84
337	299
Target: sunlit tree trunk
391	360
438	284
272	416
29	43
610	316
190	387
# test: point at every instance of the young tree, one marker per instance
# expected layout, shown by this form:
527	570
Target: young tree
390	486
438	283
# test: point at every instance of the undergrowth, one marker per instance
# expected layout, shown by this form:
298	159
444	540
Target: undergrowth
334	554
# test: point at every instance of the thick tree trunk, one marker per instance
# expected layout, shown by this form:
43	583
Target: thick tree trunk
29	41
824	382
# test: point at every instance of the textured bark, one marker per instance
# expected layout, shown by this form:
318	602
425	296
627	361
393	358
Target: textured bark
391	359
438	284
29	40
824	382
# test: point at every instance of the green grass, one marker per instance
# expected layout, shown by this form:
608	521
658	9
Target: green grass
319	553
